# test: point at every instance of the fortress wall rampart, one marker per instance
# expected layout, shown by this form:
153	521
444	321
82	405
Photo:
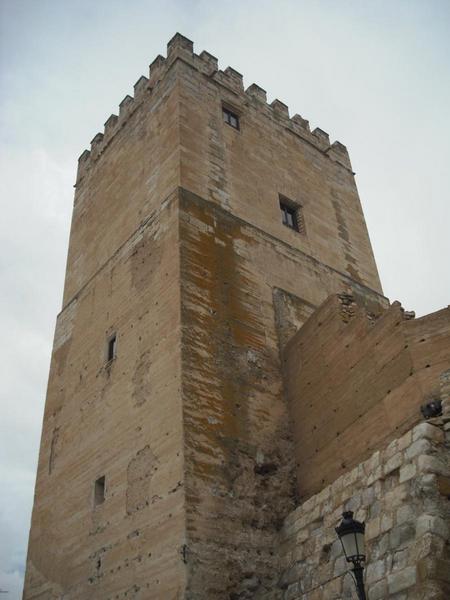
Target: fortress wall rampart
356	379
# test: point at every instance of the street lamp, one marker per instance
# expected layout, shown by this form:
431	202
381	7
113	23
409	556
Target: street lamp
351	534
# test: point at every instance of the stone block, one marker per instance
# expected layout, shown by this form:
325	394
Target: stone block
405	441
386	523
432	524
393	463
405	513
420	446
407	472
427	545
372	528
378	591
375	571
402	580
375	475
391	449
340	566
432	464
292	592
428	431
401	535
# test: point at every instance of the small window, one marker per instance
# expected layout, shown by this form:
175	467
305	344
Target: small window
99	491
230	117
292	215
111	348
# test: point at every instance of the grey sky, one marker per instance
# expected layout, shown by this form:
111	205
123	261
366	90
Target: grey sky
374	74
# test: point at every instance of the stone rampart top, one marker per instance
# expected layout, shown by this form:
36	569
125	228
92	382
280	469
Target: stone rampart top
181	48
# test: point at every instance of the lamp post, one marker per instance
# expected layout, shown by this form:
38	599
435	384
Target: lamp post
351	534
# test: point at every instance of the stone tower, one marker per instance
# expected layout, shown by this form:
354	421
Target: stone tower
207	227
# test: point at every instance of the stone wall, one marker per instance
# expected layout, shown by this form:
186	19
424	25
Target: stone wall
401	492
244	171
356	375
121	420
240	298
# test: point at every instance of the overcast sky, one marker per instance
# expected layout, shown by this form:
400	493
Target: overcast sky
374	74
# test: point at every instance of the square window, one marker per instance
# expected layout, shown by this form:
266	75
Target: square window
230	118
292	215
99	491
111	348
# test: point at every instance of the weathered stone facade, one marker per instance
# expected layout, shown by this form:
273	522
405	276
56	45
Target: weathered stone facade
167	468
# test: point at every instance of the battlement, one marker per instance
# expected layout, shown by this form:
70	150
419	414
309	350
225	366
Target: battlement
181	48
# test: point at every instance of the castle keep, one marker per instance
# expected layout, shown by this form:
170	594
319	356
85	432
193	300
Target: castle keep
227	376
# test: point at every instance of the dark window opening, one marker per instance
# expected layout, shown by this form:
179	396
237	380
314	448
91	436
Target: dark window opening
230	118
99	491
112	347
292	215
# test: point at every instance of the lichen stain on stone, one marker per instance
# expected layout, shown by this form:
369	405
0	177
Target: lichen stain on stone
145	260
54	447
141	380
354	273
342	225
223	331
139	473
60	356
343	233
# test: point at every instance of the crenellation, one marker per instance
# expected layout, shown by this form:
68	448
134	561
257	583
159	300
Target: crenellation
84	156
322	136
156	70
83	165
230	79
182	47
236	78
257	92
110	127
179	45
125	107
280	109
140	87
300	122
207	63
96	145
338	152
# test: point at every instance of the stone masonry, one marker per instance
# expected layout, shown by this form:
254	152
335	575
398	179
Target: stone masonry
402	494
171	449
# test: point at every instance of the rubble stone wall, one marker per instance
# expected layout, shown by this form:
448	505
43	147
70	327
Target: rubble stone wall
401	492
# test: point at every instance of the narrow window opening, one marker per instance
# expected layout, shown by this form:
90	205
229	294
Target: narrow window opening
230	118
99	491
111	348
292	215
